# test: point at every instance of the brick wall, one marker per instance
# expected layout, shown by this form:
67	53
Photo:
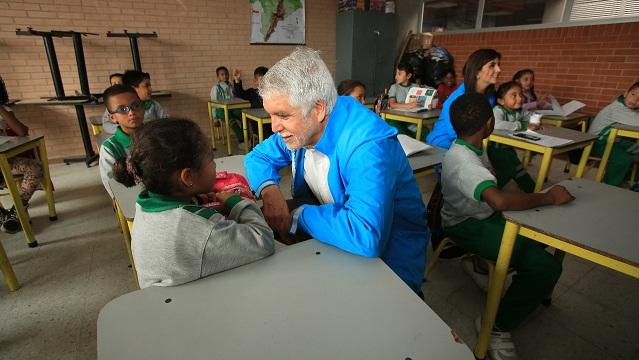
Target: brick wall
592	64
194	37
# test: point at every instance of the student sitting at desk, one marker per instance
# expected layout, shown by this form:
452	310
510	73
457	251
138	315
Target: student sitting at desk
251	94
174	239
223	90
471	215
526	78
127	111
509	115
141	83
624	110
29	168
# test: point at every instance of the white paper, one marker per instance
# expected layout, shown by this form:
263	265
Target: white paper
544	140
411	145
4	139
565	110
423	96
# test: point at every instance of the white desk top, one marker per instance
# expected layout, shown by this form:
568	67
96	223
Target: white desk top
427	159
295	304
260	113
602	218
430	114
17	141
565	118
126	196
569	134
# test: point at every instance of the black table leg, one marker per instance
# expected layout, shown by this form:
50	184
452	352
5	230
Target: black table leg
90	155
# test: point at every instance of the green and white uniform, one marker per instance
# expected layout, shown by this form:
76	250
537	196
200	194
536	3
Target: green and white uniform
112	149
176	241
621	157
224	91
477	228
152	111
503	157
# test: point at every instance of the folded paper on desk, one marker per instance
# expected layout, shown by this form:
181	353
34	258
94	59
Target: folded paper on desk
565	110
540	139
410	145
4	139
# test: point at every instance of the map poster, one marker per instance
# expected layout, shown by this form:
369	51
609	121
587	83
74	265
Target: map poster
277	22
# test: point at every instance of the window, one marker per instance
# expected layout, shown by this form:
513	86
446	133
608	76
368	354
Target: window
456	15
601	9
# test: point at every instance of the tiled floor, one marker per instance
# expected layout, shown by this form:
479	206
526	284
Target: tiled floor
81	264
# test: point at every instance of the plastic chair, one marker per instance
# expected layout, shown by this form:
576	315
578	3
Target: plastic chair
126	227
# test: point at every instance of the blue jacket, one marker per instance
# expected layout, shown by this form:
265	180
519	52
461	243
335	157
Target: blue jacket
378	209
443	133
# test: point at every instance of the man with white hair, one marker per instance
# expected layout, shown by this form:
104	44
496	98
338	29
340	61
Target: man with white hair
366	200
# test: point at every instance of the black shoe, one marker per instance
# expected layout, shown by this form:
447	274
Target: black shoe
10	222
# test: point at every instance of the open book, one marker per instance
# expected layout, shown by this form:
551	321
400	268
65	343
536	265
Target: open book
565	110
410	145
423	96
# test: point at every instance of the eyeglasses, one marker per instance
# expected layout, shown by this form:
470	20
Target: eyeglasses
124	109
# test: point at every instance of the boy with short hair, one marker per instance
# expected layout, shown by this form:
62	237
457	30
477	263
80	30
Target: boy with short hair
141	83
116	78
471	215
397	96
251	94
223	90
127	111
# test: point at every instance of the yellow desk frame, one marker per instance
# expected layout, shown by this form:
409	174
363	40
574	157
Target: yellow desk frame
260	127
614	133
226	107
126	226
567	123
547	154
7	271
420	122
39	145
496	285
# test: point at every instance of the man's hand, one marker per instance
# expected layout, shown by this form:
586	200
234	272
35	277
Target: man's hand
560	195
276	211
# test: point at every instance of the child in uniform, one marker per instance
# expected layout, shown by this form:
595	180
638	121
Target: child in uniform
223	90
352	88
526	78
174	239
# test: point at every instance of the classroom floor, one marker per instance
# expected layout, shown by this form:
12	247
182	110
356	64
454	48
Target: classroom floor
81	264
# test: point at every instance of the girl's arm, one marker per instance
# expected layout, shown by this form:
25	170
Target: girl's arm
12	122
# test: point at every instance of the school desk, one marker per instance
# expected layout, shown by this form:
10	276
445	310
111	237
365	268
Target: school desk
617	130
261	117
17	145
571	121
579	140
600	225
369	102
421	119
307	301
424	162
226	105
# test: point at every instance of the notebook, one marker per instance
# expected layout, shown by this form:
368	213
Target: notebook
410	145
565	110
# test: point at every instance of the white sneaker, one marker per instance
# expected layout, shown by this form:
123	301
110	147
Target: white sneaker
500	344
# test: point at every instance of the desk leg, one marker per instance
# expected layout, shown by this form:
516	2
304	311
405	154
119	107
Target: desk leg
212	125
526	159
260	130
543	169
89	155
418	133
46	180
584	160
496	287
228	129
606	155
245	129
17	201
7	270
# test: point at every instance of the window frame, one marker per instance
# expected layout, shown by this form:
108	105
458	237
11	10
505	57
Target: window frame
565	21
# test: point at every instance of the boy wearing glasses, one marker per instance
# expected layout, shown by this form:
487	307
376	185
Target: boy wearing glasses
141	83
126	110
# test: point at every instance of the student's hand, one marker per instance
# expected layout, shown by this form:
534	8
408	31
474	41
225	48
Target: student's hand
534	127
237	75
559	195
276	211
206	198
412	105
